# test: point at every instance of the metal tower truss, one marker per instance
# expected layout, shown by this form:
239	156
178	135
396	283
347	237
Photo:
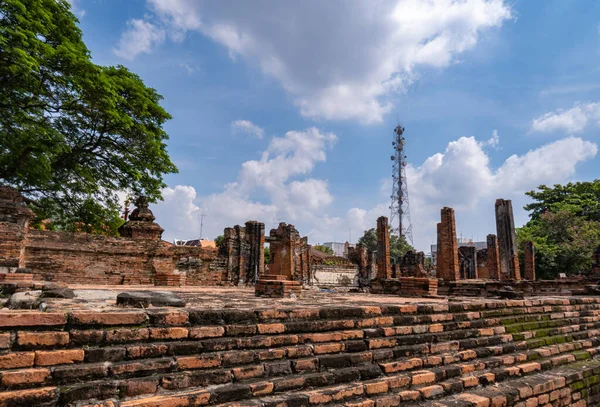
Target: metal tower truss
399	209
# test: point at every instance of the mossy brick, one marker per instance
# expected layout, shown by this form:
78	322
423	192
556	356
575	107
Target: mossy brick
93	390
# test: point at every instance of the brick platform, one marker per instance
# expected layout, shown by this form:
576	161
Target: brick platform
495	353
276	286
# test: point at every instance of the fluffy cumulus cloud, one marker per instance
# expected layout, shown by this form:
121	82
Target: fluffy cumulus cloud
279	187
572	121
338	59
247	127
276	187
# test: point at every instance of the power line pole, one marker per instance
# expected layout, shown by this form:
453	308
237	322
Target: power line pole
399	209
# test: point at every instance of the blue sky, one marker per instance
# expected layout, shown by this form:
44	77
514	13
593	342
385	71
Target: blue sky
284	110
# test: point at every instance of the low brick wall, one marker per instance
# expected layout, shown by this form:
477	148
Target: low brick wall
511	353
489	288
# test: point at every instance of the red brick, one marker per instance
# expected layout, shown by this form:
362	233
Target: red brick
17	359
191	398
476	401
249	372
5	341
207	332
168	333
58	357
127	335
31	397
24	318
136	387
305	365
261	388
35	339
270	328
26	376
376	388
170	317
199	362
108	318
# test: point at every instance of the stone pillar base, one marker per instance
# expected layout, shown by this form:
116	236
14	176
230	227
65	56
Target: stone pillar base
276	286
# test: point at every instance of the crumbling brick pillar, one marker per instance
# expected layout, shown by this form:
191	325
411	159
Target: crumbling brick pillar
447	267
493	261
507	241
467	257
384	269
529	264
14	224
255	265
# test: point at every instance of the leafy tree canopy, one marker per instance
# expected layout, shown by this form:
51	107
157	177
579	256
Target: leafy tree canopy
579	198
564	227
324	249
72	131
398	245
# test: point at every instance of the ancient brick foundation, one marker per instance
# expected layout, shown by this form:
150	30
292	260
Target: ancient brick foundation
406	286
412	264
494	353
447	266
507	241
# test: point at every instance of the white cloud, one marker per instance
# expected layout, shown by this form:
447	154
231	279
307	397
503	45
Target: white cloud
268	190
572	121
140	38
494	141
338	59
246	126
281	177
76	8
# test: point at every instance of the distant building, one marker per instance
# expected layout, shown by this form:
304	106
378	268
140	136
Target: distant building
338	248
195	242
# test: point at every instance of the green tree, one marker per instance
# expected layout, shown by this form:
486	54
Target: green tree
324	249
72	131
579	198
267	252
398	245
219	241
564	226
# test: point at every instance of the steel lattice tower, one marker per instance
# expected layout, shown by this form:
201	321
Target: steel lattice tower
400	213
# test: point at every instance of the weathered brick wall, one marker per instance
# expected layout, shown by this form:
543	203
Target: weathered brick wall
81	258
511	353
335	276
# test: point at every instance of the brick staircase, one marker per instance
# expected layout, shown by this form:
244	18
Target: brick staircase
495	353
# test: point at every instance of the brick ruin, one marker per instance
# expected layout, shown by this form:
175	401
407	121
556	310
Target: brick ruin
507	241
447	266
384	268
244	253
467	262
539	352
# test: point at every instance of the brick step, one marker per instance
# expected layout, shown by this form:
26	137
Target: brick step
384	391
455	377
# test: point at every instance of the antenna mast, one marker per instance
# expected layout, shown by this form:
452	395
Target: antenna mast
399	209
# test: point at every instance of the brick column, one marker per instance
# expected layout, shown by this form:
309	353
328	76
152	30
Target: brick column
493	263
255	266
507	241
447	250
529	271
384	269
